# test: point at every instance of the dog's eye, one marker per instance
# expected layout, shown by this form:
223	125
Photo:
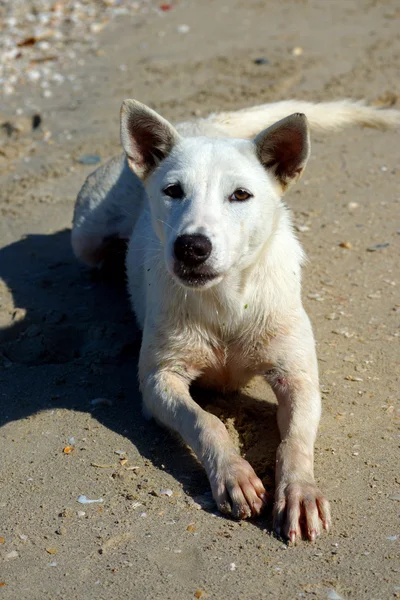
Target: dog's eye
174	191
240	195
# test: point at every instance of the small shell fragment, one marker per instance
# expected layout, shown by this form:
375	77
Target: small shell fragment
51	550
333	595
68	450
82	499
11	555
166	492
347	245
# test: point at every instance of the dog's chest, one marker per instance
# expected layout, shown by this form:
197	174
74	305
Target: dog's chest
231	366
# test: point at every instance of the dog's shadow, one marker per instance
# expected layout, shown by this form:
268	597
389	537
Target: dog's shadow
69	336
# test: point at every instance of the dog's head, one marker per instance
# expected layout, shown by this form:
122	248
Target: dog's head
213	200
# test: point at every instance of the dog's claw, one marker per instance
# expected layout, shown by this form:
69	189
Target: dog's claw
312	535
300	504
238	491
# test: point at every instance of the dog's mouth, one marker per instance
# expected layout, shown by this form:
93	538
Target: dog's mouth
200	277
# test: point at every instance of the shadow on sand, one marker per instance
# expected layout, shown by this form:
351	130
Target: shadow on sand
72	337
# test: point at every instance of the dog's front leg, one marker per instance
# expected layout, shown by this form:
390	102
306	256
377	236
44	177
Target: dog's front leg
235	486
299	507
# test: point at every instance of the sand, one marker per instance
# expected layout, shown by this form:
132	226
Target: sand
68	336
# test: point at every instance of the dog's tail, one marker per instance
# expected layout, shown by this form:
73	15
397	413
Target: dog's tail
248	122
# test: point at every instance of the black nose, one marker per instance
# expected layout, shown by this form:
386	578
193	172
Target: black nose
192	250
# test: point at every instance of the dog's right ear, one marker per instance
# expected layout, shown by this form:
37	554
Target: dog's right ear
146	137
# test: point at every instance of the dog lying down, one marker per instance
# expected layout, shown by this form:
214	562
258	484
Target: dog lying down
213	270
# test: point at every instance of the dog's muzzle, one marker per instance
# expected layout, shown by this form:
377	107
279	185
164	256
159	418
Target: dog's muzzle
191	252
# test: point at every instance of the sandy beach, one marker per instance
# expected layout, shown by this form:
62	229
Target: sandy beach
70	414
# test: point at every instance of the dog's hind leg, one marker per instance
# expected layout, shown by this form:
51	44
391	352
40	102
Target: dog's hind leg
106	211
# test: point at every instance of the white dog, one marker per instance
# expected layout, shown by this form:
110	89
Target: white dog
214	276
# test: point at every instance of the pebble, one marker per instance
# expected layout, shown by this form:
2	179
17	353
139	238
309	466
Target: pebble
378	247
120	453
11	555
297	51
101	402
232	567
347	245
81	513
183	29
89	159
261	61
353	205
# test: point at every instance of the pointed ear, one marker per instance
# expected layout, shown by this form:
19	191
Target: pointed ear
146	137
284	149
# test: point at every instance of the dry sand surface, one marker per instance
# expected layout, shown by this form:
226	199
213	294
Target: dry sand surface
68	336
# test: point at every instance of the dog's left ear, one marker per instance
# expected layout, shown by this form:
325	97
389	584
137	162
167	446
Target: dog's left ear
284	149
147	138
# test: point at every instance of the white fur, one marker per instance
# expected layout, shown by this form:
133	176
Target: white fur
248	320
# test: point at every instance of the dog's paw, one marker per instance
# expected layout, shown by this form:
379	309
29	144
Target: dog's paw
237	490
300	510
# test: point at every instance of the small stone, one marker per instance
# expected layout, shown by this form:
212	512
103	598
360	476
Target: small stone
232	567
183	29
261	61
51	550
89	159
378	247
347	245
165	492
11	555
101	402
81	513
353	205
61	531
332	317
297	51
